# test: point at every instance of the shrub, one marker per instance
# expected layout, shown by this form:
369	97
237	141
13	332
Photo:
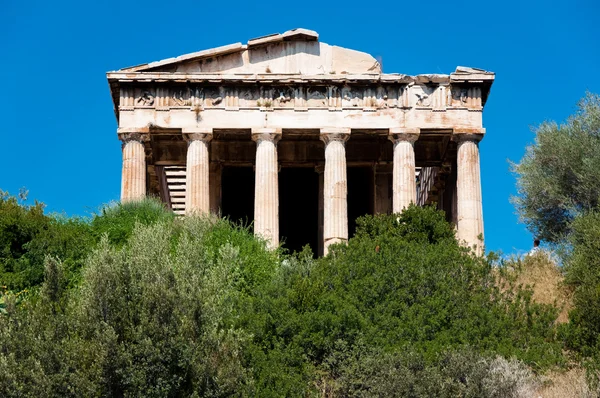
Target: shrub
582	274
118	219
155	317
462	373
27	236
402	281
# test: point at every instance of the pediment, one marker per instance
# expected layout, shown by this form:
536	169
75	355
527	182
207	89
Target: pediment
296	51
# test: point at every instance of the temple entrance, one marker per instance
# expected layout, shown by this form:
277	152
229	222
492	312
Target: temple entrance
298	208
360	195
237	193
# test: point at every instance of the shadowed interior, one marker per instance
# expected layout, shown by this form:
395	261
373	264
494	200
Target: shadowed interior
238	194
298	208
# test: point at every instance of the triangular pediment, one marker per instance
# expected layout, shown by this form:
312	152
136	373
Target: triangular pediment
296	51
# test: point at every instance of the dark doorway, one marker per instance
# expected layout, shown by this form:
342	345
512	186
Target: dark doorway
360	195
298	208
237	194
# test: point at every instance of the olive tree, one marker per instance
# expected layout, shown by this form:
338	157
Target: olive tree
559	175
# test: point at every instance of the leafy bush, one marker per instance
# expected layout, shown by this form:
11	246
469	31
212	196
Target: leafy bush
146	321
118	219
558	178
583	276
171	306
402	281
461	373
27	236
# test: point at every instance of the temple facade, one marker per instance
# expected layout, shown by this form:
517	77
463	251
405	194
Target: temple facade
300	138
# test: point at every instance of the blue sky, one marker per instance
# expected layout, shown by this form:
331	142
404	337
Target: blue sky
58	128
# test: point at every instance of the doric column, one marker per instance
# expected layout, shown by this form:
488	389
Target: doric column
404	185
468	189
197	194
266	194
335	187
133	175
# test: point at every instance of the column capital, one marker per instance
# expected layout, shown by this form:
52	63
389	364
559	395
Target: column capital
329	134
141	134
197	134
266	134
408	134
468	134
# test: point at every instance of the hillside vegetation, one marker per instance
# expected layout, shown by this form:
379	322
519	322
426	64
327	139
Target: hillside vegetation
137	302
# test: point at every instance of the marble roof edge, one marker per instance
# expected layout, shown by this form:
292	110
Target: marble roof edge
211	52
126	75
227	49
287	35
467	73
139	75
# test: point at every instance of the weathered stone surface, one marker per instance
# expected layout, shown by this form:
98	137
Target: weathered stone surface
292	87
133	179
197	198
468	186
266	197
335	187
404	181
295	51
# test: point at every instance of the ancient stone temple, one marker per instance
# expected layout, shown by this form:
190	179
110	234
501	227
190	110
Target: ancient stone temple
301	138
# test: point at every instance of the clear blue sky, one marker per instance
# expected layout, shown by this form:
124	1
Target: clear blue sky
59	131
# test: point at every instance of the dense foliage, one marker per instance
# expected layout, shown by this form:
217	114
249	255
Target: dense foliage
401	283
559	200
583	275
167	306
559	175
27	236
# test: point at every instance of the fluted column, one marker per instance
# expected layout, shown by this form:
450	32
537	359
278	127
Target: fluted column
266	194
335	187
197	193
404	185
133	175
468	190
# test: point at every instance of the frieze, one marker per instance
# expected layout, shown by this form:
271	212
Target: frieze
302	97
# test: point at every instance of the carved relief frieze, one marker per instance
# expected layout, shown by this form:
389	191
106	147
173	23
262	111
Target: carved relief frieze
465	97
316	97
423	96
458	97
145	97
248	97
180	97
352	97
213	96
382	98
282	97
301	97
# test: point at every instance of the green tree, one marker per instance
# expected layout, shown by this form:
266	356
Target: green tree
402	282
559	175
583	275
27	236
